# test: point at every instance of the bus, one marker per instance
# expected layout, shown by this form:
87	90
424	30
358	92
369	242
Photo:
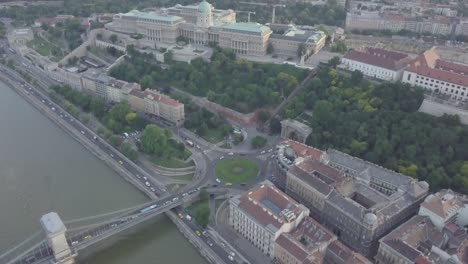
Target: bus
189	143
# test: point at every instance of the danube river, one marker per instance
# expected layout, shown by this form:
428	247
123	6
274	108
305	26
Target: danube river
42	169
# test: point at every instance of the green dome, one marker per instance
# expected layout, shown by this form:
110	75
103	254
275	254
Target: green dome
204	7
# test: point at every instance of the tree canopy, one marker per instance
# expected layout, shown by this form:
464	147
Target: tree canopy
238	84
380	123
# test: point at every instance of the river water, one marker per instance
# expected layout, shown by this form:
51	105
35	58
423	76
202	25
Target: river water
42	169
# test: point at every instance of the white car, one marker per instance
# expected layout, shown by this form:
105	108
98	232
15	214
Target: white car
270	150
231	258
217	180
222	157
147	184
231	153
263	152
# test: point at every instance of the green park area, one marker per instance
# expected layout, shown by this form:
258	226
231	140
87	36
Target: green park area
236	170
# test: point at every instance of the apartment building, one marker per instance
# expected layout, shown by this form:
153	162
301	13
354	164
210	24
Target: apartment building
432	73
106	87
357	200
376	63
419	241
306	244
287	44
262	214
415	16
444	207
163	106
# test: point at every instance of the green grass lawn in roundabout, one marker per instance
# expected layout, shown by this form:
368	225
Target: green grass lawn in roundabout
236	170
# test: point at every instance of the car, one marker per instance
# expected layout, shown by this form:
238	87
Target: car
112	155
144	178
270	150
243	184
175	199
43	101
204	232
184	194
53	108
209	243
231	153
121	163
262	152
222	157
228	184
218	180
87	237
231	258
181	216
152	189
197	146
94	137
74	243
198	233
82	132
147	184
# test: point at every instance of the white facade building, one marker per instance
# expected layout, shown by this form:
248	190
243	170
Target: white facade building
432	73
377	63
263	214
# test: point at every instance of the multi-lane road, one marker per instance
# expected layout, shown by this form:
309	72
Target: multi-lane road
139	174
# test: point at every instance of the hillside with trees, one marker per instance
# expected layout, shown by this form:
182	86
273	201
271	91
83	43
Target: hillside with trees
300	13
238	84
380	123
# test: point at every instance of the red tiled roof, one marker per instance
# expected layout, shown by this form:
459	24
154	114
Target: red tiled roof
310	165
378	57
430	65
46	20
252	204
137	93
294	248
303	150
161	98
316	235
339	253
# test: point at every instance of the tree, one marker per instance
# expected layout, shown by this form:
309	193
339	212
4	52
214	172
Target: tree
168	56
130	118
339	47
270	49
146	82
335	61
301	50
204	195
127	149
153	140
356	77
202	215
258	142
113	38
72	61
98	107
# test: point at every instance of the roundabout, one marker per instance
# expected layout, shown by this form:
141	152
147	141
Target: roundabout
236	170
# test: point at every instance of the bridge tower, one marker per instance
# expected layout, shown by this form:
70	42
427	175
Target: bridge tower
55	231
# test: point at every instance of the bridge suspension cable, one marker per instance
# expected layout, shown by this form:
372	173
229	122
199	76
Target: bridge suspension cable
72	221
26	252
21	244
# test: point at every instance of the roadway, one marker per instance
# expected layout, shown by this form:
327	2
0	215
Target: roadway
151	183
205	154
